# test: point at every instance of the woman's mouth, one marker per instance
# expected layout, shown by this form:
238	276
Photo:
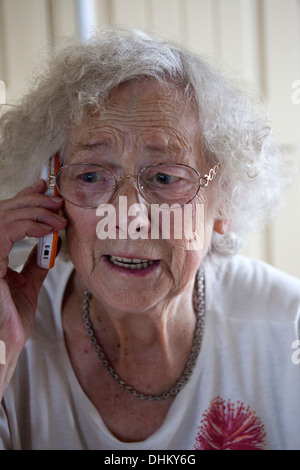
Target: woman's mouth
130	263
137	267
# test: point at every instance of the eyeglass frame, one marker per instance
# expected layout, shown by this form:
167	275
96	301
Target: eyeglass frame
207	177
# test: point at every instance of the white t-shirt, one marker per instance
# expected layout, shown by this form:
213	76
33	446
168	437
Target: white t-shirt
244	392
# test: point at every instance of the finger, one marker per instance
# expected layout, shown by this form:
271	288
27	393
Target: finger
3	267
6	243
18	231
33	272
37	214
31	200
31	196
25	285
15	231
38	187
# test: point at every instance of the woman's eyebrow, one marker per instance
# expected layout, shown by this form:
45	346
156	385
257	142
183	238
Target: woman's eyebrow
89	147
167	149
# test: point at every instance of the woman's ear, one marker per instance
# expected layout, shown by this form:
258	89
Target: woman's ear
222	226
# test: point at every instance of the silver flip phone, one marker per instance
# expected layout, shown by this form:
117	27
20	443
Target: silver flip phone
47	245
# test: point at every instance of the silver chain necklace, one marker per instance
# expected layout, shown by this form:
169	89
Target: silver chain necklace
199	306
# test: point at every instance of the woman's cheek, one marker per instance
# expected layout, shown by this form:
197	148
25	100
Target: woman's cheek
81	229
193	229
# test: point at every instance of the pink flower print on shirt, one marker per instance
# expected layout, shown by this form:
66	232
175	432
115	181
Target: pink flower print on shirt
229	426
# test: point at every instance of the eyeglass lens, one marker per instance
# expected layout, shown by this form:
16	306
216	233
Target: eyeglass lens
88	185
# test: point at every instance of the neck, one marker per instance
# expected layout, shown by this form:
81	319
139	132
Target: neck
163	329
147	347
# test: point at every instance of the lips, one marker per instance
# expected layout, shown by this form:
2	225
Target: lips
130	263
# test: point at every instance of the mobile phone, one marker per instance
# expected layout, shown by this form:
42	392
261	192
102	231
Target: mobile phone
47	245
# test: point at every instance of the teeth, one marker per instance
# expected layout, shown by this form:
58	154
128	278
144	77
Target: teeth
131	263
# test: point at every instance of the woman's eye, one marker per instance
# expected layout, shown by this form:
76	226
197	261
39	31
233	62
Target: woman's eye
163	178
91	177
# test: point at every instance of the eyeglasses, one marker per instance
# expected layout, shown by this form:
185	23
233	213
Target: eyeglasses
88	186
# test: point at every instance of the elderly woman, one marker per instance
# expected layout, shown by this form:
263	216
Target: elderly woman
136	341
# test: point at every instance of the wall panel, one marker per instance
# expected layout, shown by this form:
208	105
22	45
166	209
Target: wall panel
63	17
26	29
282	65
167	18
2	51
129	12
200	28
281	39
238	38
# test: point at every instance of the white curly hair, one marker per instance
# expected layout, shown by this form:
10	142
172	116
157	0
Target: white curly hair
80	75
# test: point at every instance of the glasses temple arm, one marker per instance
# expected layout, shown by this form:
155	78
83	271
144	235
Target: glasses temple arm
210	176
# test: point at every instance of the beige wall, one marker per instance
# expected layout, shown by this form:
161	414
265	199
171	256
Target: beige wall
258	39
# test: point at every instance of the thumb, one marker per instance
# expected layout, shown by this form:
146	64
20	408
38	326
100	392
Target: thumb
32	271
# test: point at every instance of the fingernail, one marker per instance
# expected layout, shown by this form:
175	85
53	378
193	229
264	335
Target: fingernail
56	199
60	218
47	227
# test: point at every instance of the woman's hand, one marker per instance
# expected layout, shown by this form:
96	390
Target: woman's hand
30	213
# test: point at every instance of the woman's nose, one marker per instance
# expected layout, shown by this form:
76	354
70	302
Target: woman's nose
127	187
133	212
